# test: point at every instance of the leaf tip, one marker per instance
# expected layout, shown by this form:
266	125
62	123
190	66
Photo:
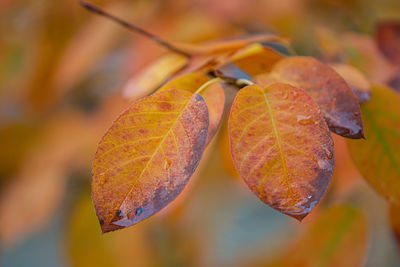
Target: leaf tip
106	228
299	217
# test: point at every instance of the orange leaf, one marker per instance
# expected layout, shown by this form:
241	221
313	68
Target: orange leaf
356	80
281	146
203	57
256	59
225	153
378	157
213	95
336	100
227	45
388	39
147	157
154	75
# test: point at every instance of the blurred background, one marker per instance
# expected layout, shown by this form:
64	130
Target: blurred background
61	74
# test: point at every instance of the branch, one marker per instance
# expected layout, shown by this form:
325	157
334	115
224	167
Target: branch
97	10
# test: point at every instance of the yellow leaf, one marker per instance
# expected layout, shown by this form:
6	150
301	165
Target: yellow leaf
378	157
154	75
147	157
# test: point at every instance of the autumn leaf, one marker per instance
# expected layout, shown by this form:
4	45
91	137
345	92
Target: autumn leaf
225	153
256	59
148	80
378	157
339	237
227	45
388	39
336	100
281	147
203	57
147	157
356	80
213	95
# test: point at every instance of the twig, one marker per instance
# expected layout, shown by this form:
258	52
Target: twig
97	10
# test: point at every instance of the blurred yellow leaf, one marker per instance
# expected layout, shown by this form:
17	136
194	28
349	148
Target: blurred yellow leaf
87	247
378	157
148	80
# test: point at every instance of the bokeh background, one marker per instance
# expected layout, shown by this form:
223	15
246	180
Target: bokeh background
61	74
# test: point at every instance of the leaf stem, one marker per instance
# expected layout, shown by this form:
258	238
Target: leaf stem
130	26
239	82
244	82
208	83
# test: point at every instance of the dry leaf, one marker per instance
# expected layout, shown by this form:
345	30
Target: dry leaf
356	80
147	157
281	146
336	100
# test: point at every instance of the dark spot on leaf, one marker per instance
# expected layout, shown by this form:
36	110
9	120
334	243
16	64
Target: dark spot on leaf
138	211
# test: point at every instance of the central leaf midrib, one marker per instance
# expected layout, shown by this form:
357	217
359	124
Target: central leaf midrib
278	141
152	156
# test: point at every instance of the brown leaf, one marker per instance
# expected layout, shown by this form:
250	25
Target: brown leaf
356	80
336	100
147	157
388	39
281	146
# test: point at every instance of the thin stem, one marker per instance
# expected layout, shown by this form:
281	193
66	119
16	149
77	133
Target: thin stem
208	83
97	10
238	82
244	82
